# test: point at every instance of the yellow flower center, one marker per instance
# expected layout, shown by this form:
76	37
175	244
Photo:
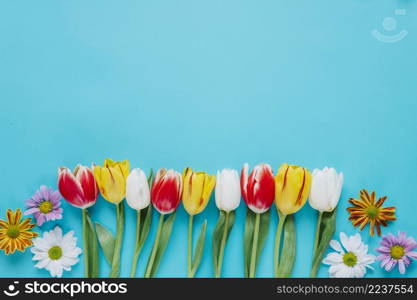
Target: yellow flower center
397	252
372	212
350	259
45	207
13	232
55	253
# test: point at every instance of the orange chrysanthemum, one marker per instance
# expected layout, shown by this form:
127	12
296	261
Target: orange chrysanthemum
15	234
366	210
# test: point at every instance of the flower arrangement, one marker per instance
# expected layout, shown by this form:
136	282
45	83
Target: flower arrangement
289	189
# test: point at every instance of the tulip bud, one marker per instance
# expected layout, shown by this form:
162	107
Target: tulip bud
197	189
79	188
258	189
166	191
137	190
326	188
122	166
111	179
227	190
292	185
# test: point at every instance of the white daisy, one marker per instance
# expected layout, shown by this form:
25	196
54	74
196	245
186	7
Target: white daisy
55	252
351	260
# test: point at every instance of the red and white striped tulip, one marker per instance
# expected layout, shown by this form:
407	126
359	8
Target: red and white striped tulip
258	188
166	191
79	187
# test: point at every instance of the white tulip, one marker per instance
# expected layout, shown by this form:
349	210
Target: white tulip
326	188
138	195
227	190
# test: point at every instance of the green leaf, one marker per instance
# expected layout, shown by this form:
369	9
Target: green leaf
231	222
163	242
327	229
287	258
199	248
120	223
146	215
248	237
217	237
150	178
263	233
93	248
107	241
248	240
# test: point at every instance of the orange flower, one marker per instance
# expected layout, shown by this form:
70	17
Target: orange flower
15	234
366	210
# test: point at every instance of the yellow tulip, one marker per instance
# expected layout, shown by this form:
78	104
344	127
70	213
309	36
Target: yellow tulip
122	166
111	179
292	187
197	188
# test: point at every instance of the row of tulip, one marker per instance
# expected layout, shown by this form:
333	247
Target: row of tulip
289	188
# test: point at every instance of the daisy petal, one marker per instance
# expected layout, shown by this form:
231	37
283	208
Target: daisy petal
336	245
333	258
401	266
345	241
412	254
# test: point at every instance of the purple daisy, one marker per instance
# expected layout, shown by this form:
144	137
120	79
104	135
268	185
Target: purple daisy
397	250
45	205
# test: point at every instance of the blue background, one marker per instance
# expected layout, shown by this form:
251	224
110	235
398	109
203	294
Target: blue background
209	84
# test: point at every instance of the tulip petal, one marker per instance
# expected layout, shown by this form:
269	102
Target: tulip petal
70	188
88	184
166	191
137	190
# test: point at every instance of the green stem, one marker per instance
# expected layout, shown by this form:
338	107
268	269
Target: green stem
316	243
254	246
316	240
155	247
86	243
222	246
137	248
120	223
190	247
278	243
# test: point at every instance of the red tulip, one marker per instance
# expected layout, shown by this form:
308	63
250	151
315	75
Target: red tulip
258	189
166	191
79	188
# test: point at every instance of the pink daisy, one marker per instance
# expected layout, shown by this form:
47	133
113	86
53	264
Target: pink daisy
45	205
397	250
